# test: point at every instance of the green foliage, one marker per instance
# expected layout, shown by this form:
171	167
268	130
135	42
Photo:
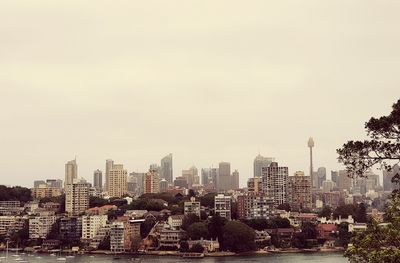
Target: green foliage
144	204
358	212
344	236
19	238
54	231
208	200
16	193
95	201
307	238
188	220
284	206
261	224
382	148
238	237
325	212
379	243
146	227
56	199
198	230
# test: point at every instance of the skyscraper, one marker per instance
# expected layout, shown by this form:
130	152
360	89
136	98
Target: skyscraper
275	183
388	186
205	176
117	181
320	177
260	162
166	171
334	176
344	181
224	176
109	166
191	176
71	172
235	180
138	179
98	180
77	197
311	145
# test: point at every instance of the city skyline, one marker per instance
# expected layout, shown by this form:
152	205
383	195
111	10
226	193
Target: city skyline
207	81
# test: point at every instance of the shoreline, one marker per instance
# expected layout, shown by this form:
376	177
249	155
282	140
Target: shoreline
179	254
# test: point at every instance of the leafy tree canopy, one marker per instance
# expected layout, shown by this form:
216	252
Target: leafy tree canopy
238	237
379	243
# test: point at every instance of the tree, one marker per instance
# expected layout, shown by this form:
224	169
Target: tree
307	237
208	200
215	227
379	243
189	220
238	237
105	243
284	206
97	201
146	227
197	231
344	235
361	214
325	212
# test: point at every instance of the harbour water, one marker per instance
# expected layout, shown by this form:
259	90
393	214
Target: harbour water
286	258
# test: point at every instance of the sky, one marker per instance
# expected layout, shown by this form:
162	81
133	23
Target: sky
208	81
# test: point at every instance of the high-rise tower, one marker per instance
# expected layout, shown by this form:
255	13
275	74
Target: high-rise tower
166	171
311	145
71	172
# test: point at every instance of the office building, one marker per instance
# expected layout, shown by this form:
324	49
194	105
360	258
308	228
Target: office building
180	182
388	185
138	180
109	166
71	172
344	181
260	162
334	176
163	186
320	177
117	181
235	180
224	176
98	180
191	176
166	171
327	186
222	206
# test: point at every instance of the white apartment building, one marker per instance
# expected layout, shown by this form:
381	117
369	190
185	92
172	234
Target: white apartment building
175	221
117	237
192	207
91	225
40	226
9	224
77	197
222	206
117	181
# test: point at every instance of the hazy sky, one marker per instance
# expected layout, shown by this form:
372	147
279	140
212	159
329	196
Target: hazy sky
209	81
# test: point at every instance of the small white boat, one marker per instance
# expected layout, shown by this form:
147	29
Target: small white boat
61	259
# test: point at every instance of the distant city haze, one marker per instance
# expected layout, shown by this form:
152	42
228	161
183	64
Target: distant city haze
208	81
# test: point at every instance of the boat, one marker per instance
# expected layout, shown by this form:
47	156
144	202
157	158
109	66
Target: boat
193	255
60	257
